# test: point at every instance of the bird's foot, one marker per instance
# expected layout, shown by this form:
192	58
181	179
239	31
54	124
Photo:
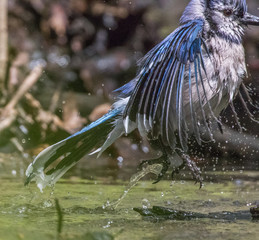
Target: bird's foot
162	160
177	170
195	170
193	167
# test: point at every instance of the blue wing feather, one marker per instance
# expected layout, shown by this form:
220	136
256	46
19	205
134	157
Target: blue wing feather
181	123
156	103
192	111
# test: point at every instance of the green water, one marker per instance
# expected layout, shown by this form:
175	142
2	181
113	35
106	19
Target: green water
25	213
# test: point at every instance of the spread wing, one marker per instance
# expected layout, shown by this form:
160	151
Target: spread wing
156	103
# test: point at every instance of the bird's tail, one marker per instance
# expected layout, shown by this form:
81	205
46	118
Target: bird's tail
55	160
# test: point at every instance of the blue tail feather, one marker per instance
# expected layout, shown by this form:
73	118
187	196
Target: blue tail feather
70	151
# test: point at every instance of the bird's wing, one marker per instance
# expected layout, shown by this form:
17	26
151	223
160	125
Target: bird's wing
156	103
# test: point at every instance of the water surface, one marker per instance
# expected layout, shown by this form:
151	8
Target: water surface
25	213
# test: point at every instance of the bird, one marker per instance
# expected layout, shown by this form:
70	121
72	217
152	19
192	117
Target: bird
179	91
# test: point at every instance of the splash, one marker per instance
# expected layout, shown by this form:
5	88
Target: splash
154	168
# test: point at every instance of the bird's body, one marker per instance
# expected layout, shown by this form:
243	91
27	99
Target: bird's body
181	87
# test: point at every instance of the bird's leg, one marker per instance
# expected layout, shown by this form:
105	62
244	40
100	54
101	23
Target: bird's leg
192	166
177	170
163	160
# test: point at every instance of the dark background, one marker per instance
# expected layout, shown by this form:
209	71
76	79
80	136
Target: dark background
88	48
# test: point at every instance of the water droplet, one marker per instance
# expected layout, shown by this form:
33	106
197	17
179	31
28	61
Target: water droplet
145	203
145	149
120	159
47	204
134	146
108	224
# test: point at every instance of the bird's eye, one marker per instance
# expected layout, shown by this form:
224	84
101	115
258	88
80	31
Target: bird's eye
227	12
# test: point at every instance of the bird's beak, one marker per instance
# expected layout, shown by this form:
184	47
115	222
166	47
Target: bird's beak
250	19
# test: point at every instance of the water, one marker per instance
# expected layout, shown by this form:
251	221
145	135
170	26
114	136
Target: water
25	213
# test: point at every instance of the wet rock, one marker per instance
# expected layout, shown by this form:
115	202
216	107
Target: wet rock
158	213
255	212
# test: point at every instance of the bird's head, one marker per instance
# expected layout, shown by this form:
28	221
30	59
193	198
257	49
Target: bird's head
225	18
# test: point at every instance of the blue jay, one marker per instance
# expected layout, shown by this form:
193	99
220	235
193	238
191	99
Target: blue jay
181	87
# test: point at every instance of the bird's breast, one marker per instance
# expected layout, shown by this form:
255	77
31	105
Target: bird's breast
225	70
227	67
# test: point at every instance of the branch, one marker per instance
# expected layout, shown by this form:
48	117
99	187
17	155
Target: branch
3	42
29	81
9	113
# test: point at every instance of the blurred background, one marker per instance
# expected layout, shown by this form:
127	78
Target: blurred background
62	59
